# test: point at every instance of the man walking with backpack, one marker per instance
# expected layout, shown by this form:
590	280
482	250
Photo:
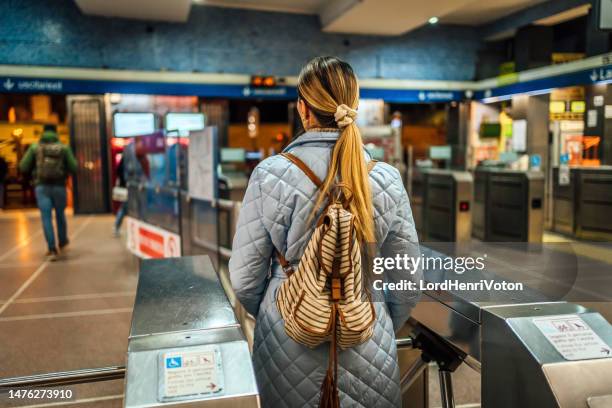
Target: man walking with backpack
50	162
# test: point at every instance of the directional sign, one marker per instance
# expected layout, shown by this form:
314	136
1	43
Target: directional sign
583	77
74	86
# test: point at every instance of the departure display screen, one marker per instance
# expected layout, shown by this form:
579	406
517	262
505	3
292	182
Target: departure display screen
233	155
183	123
130	124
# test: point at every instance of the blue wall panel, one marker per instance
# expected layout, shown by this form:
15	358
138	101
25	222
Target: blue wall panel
55	33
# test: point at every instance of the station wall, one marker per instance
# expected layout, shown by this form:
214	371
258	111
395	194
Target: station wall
56	33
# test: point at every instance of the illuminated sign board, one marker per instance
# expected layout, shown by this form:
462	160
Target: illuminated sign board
130	124
183	123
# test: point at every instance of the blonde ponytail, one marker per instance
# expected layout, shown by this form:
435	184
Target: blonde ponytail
326	83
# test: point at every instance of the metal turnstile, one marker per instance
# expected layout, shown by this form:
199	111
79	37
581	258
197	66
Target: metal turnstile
582	206
531	353
509	205
446	208
186	347
479	207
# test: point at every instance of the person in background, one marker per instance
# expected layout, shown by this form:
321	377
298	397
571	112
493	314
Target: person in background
50	163
121	182
3	174
134	166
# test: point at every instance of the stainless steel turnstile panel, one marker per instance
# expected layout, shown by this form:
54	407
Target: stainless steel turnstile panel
513	207
594	203
177	295
182	307
479	205
520	367
582	207
446	209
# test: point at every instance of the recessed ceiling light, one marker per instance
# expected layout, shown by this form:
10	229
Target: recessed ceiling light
433	20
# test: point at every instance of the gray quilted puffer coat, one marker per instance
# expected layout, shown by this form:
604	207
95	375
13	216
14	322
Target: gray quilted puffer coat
276	207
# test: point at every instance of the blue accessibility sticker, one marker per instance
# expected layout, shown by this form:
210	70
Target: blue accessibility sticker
174	362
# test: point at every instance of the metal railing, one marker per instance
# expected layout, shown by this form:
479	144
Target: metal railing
56	379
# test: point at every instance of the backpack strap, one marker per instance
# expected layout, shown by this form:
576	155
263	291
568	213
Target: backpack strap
287	268
309	173
371	164
305	169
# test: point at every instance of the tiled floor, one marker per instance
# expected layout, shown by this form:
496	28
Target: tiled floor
75	313
71	314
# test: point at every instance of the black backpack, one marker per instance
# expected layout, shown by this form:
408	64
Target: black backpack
50	163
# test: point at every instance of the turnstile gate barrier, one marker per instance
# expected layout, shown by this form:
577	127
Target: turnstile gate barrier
583	202
446	208
531	352
508	205
186	347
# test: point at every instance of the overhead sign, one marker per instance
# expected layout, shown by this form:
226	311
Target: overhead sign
129	124
184	122
572	337
583	77
413	95
148	241
14	84
32	85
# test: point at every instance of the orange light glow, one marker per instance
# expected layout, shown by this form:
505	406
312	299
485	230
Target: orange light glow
118	142
269	81
12	115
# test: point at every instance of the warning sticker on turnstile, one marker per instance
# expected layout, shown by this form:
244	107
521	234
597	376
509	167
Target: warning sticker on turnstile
190	373
572	337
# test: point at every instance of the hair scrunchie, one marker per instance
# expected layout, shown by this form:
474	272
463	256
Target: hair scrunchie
344	115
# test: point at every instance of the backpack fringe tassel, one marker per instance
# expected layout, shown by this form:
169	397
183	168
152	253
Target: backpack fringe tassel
329	388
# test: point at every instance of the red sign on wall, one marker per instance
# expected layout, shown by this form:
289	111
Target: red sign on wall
148	241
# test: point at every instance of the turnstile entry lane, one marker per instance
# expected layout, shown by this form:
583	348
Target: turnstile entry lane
582	202
186	347
446	205
508	205
522	340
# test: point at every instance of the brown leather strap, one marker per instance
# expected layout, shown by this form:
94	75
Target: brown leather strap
371	164
295	160
287	268
317	182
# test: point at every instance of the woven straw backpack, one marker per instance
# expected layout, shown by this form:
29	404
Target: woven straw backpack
324	300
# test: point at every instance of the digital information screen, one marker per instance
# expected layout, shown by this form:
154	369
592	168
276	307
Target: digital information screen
130	124
233	155
183	123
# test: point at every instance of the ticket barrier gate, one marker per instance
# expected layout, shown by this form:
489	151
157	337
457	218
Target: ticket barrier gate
582	202
446	208
480	204
186	347
531	353
508	205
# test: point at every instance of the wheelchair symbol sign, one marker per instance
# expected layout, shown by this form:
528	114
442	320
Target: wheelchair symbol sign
174	362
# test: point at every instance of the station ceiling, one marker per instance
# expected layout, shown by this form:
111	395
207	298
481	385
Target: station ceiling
378	17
